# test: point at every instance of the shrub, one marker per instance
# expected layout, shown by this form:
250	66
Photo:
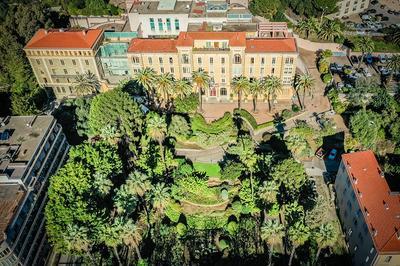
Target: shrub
286	114
295	108
223	244
224	194
181	229
179	127
327	78
274	211
231	171
247	116
232	227
323	67
220	125
173	211
188	104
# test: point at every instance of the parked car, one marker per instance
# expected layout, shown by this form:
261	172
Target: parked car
354	59
320	153
384	71
336	68
369	59
339	85
382	58
332	154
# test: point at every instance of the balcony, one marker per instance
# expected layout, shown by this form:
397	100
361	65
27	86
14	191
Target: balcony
210	49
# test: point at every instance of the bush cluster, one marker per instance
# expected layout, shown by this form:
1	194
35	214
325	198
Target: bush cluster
222	124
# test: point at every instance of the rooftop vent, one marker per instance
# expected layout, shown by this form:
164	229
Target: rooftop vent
359	193
386	205
381	173
84	32
348	164
61	30
366	211
374	232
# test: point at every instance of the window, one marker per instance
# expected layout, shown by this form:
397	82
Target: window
222	60
171	60
58	89
346	11
199	60
223	70
367	259
208	44
87	62
371	250
289	60
63	89
222	92
186	70
53	71
168	24
162	70
287	70
152	26
74	62
57	80
388	259
273	60
252	60
185	59
237	59
45	80
51	62
211	60
172	70
65	71
273	70
287	80
251	70
223	80
261	71
160	24
176	24
38	61
160	60
62	62
150	60
135	59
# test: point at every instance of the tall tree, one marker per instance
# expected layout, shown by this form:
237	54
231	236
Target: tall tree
111	235
245	150
272	86
365	45
78	240
131	236
202	81
298	234
255	89
330	29
157	130
182	88
291	175
394	65
164	86
146	78
240	85
367	128
304	83
87	83
325	236
272	232
267	193
160	197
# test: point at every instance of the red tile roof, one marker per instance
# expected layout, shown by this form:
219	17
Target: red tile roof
382	207
68	39
152	46
235	38
271	45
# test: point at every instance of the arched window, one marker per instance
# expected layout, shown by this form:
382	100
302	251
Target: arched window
237	59
222	92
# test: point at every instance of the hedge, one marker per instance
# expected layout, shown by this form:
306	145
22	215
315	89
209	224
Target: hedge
252	121
222	124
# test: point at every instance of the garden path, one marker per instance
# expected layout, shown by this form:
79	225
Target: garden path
212	155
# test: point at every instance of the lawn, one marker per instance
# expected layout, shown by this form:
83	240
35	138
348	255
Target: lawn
211	169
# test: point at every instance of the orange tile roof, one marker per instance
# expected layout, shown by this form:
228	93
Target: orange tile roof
68	39
271	45
152	46
235	38
383	207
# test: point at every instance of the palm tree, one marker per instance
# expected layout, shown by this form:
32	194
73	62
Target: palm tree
182	88
87	83
330	29
110	234
272	232
239	85
267	192
255	88
298	235
305	83
202	81
77	240
131	236
394	64
157	130
160	197
308	26
325	236
396	36
164	85
272	86
146	77
365	45
138	184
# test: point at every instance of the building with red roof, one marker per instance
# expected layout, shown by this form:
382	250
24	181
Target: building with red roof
369	209
224	55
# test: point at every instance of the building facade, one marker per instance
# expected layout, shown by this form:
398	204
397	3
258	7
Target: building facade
224	55
58	56
32	148
350	7
369	210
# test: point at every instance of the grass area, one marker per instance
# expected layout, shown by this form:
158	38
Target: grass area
211	169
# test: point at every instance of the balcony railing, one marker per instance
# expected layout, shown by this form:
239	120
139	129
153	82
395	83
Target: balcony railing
210	49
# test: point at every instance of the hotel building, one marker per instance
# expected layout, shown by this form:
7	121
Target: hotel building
350	7
224	55
32	148
369	210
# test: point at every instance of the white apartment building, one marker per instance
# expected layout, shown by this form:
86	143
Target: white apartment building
350	7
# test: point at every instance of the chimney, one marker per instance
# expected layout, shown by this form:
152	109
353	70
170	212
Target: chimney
84	32
61	30
46	31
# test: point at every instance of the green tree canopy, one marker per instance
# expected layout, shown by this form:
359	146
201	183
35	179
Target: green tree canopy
290	174
366	127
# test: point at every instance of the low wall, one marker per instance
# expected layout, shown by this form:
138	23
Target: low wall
315	46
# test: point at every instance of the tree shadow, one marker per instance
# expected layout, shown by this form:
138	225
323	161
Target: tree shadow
335	141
